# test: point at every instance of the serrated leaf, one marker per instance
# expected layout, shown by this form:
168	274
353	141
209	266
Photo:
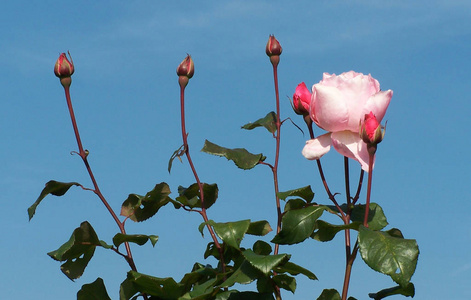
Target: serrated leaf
298	225
77	251
140	208
139	239
240	156
389	255
305	193
408	291
329	294
52	187
95	290
294	204
269	122
191	197
232	233
295	269
285	282
265	263
127	290
163	288
376	218
259	228
244	274
326	232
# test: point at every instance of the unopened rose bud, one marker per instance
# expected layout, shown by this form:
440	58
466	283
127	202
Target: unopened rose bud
186	68
185	71
273	46
301	99
371	132
64	67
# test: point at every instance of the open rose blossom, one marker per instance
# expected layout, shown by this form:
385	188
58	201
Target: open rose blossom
338	105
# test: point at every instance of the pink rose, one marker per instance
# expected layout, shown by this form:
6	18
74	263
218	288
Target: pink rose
301	99
338	105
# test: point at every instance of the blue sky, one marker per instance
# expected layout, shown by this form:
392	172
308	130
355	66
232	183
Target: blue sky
125	95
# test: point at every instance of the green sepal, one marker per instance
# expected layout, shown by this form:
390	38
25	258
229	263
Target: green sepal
95	290
387	254
140	208
240	156
78	251
139	239
269	122
408	291
190	197
52	187
298	225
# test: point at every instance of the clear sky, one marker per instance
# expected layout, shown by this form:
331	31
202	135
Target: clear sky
125	95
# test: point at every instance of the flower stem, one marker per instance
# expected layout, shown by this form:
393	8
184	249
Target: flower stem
186	150
84	154
368	189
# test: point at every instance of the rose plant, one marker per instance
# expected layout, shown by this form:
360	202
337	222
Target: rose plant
350	107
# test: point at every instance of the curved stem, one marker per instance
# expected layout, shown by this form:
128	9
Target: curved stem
186	150
83	154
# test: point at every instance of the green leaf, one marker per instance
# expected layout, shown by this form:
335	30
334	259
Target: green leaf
140	208
139	239
78	251
232	233
326	231
127	290
199	274
176	154
376	218
329	294
54	188
298	225
305	193
241	157
261	248
293	204
163	288
191	197
285	282
294	269
265	263
408	291
236	295
244	274
95	290
389	255
259	228
269	122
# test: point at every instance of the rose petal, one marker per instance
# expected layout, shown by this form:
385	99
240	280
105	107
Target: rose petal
328	108
378	104
316	148
349	144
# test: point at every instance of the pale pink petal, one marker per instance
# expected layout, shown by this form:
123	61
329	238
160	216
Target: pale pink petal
328	108
378	104
316	148
349	144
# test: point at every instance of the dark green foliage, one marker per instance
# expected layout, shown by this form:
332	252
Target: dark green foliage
241	157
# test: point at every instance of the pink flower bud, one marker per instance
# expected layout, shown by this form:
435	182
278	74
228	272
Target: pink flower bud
301	99
273	46
371	132
186	68
63	67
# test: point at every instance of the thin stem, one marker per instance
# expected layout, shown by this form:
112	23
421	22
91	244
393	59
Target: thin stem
83	154
348	271
277	152
368	189
360	183
186	149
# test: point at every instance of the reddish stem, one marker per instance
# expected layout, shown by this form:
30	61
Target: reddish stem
83	154
368	189
186	150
